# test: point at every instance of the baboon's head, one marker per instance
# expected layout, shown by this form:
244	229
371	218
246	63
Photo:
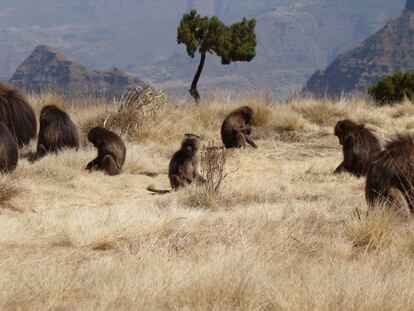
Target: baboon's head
95	136
247	113
190	145
48	113
344	128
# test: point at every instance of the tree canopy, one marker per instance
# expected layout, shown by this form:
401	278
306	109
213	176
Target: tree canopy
204	34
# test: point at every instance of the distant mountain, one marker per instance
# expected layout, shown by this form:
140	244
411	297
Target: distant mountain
389	50
48	68
295	37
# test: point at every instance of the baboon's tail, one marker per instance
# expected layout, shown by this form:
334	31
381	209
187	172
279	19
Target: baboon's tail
149	174
152	189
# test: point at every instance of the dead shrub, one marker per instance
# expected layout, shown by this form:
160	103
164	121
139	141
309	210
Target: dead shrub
371	230
137	107
8	191
213	160
261	114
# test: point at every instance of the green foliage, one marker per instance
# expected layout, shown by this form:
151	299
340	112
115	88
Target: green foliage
236	42
393	88
243	40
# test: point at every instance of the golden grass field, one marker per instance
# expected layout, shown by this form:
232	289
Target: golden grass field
283	233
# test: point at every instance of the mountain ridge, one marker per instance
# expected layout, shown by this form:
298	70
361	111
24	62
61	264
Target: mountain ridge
389	50
48	68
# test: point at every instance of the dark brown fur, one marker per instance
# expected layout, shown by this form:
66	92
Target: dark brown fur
111	151
390	178
359	147
235	132
8	150
57	131
183	168
17	114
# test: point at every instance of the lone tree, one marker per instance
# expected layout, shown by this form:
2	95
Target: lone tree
236	42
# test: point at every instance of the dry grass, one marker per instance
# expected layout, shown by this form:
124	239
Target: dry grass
281	233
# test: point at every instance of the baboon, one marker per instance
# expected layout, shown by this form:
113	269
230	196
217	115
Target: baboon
17	114
359	146
56	131
235	132
111	151
183	168
390	178
8	149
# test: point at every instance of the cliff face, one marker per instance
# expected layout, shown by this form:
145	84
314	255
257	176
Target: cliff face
48	68
389	50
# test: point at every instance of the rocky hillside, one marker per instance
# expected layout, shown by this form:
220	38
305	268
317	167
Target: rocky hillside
389	50
294	37
48	68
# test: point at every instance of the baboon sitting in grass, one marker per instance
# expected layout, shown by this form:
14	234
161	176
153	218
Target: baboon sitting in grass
8	149
111	151
17	114
359	147
390	178
57	131
235	132
183	168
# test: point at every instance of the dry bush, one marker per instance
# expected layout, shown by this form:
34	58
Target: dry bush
212	163
8	191
137	107
319	113
262	114
371	230
288	121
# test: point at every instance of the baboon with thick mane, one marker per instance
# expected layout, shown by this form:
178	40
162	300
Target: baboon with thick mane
235	132
111	151
56	131
359	147
183	167
390	178
17	114
8	149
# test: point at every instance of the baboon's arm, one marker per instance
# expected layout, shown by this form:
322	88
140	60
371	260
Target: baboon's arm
349	156
349	153
199	179
340	169
92	164
250	141
186	176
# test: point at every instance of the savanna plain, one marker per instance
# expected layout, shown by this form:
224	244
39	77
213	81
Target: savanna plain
281	232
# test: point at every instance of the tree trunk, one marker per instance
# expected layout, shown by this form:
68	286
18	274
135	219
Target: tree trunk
193	90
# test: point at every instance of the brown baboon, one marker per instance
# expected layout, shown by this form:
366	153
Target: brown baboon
390	178
183	168
235	132
8	149
359	146
17	114
111	151
56	131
